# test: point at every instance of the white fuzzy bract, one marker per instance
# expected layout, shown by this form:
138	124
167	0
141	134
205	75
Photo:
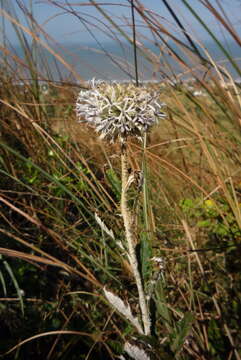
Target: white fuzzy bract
124	309
104	227
119	110
135	352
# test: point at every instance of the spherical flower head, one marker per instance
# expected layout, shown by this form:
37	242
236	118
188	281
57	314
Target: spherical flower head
118	111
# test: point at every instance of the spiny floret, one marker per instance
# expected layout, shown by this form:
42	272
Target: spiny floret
118	111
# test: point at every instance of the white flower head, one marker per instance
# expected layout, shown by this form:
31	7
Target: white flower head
119	110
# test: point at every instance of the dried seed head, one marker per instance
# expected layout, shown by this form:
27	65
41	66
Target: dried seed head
118	111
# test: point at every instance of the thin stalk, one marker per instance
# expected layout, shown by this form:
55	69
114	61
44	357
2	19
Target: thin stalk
144	138
175	17
134	42
145	192
34	52
130	238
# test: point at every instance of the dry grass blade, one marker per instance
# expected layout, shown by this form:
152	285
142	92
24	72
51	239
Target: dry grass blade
49	333
88	276
222	21
43	43
29	257
190	241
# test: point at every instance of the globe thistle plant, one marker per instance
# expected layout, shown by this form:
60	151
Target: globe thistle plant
118	111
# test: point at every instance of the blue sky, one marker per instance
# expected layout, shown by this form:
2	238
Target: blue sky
65	27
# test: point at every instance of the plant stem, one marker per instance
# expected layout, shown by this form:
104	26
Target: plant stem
145	194
134	42
127	218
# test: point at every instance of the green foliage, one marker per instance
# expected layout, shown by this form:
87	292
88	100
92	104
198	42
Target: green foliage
161	301
218	342
71	181
183	329
215	217
177	332
145	257
114	182
31	174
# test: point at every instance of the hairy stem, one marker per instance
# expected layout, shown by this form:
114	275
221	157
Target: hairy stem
130	238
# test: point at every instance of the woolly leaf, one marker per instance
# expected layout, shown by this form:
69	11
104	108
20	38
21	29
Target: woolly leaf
145	257
104	227
183	329
123	309
135	352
